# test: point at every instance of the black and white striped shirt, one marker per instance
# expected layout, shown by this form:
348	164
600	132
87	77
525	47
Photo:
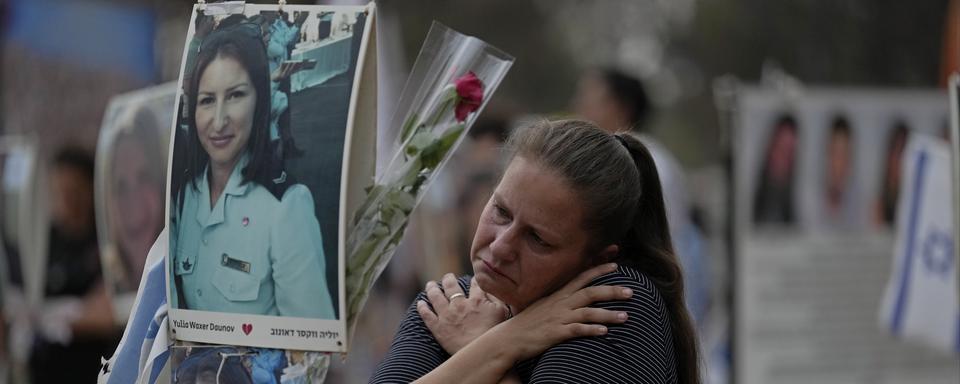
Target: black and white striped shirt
638	351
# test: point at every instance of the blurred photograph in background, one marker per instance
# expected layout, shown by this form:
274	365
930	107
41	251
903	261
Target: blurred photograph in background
885	208
808	296
131	177
773	201
839	166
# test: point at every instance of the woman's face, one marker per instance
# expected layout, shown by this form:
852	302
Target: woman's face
782	153
137	202
838	168
894	159
529	241
226	100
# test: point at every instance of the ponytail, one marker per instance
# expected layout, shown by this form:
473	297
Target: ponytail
648	248
619	188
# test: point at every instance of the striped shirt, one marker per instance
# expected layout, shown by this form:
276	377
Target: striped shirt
638	351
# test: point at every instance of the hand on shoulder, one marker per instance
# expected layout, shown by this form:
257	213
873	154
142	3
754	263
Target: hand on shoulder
457	318
562	315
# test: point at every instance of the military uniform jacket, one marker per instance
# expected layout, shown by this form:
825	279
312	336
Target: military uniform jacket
249	253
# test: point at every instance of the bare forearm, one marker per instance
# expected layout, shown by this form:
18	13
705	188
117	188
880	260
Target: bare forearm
485	360
511	378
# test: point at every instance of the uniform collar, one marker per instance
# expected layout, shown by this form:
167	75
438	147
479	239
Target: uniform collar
207	215
235	185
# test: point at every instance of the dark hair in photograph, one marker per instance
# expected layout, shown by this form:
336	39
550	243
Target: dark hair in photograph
890	189
773	201
839	126
618	184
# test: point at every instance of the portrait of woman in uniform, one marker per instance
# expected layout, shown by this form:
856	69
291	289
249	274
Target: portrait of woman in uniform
244	234
261	178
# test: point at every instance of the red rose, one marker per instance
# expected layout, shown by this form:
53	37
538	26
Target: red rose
470	95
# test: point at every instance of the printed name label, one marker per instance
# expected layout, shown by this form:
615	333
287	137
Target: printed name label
203	326
305	334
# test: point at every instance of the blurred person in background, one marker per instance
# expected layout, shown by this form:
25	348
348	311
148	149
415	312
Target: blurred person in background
773	200
73	265
75	326
838	207
885	209
487	136
618	102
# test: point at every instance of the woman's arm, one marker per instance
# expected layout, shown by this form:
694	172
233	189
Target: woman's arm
416	351
560	316
413	353
485	360
639	350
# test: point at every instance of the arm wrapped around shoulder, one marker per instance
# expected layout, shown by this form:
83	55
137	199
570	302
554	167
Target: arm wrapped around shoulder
638	351
414	351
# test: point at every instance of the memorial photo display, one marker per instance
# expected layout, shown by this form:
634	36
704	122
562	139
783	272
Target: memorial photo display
820	179
257	174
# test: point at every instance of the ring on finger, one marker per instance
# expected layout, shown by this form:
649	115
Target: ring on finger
456	295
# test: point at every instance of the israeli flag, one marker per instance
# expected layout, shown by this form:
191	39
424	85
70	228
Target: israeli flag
141	356
920	302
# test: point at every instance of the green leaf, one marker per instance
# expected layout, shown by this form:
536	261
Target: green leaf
435	152
381	230
373	193
407	129
364	252
400	200
410	172
419	141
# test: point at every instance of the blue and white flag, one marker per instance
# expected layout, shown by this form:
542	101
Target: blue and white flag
143	351
920	302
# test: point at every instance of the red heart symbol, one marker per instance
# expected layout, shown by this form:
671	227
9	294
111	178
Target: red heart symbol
247	328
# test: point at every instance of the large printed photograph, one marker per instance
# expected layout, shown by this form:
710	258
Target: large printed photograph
255	176
130	185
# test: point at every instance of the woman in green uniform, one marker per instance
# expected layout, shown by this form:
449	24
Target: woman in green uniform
244	236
